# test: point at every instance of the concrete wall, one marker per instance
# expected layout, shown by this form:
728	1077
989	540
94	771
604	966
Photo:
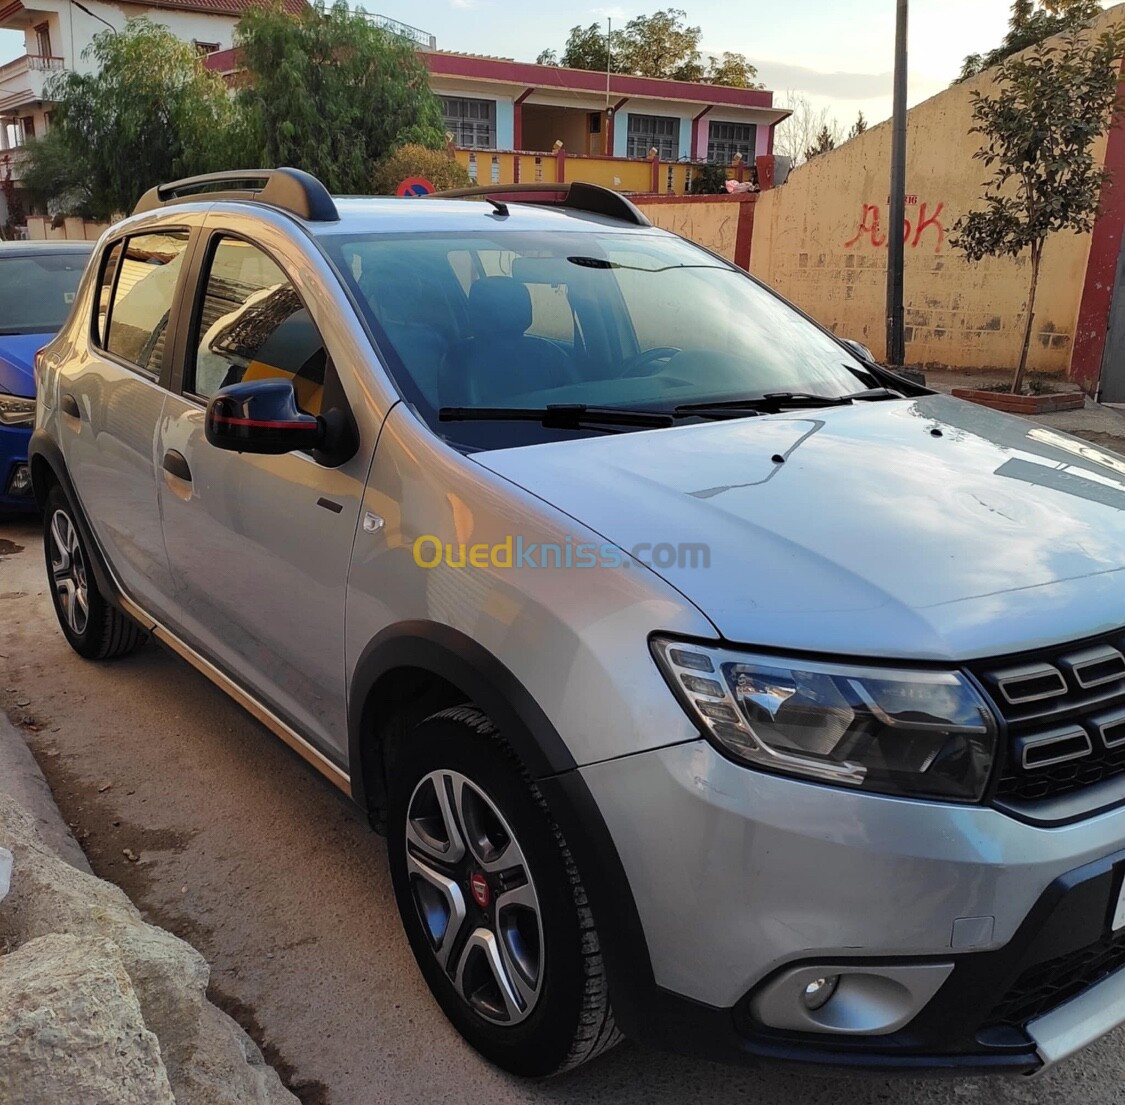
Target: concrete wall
72	229
821	240
721	223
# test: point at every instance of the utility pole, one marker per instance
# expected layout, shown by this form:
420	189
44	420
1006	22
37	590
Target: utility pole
896	342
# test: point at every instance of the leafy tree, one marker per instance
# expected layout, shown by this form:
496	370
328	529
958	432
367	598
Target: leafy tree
441	170
657	45
1032	22
329	92
825	141
858	127
149	113
1051	105
660	45
732	70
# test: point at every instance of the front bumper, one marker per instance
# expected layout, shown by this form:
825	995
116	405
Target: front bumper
13	463
739	876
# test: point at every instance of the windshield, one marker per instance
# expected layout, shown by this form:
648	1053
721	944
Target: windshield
37	289
622	320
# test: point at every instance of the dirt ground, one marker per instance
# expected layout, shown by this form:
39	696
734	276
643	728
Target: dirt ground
222	835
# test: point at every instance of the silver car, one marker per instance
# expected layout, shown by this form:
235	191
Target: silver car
712	685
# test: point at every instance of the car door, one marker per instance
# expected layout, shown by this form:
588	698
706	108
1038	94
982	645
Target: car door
112	398
259	546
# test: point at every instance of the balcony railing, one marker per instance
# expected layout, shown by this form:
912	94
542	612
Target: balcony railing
45	64
403	30
646	176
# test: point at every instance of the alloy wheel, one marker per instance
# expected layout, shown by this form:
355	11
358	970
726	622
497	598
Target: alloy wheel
68	572
475	897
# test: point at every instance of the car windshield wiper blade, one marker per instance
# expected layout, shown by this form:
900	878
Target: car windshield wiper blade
560	416
785	401
772	401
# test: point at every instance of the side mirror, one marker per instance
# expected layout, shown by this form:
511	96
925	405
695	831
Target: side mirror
261	416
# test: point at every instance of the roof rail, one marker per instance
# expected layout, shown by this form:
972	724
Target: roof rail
577	195
291	190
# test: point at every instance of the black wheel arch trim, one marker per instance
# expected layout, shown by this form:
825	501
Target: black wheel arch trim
458	659
42	451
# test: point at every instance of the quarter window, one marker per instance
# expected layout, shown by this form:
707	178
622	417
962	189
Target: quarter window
137	292
252	325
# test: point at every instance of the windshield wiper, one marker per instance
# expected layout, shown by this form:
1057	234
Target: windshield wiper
775	401
560	416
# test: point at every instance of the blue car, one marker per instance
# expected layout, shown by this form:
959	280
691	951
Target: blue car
38	281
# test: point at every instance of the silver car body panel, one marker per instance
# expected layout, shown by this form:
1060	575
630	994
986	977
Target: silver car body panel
791	870
575	639
871	536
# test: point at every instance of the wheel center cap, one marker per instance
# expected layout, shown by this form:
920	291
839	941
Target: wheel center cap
478	885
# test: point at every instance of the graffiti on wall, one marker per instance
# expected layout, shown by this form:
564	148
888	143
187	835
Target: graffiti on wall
925	227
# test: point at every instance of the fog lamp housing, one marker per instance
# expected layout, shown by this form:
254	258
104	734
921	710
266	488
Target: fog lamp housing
20	482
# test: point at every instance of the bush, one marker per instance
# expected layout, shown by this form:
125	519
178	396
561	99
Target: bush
413	160
709	180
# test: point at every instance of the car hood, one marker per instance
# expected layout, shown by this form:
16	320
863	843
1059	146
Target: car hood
17	362
924	529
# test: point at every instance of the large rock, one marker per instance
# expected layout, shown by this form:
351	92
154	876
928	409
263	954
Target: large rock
208	1058
71	1028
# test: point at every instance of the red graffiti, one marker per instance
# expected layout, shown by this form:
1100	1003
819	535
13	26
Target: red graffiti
912	234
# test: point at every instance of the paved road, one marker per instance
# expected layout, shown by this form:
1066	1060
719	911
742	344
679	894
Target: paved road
246	853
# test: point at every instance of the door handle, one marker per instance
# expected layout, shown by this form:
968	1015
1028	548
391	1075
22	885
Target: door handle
176	465
70	406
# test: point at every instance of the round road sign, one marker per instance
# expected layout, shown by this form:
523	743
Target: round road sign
415	186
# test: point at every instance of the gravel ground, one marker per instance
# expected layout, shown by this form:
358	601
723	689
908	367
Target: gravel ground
220	834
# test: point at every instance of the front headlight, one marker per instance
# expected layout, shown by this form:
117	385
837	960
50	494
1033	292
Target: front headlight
15	411
922	734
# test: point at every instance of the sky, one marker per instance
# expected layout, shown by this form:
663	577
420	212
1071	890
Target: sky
839	53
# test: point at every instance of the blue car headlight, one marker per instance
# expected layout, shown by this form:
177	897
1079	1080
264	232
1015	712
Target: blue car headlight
923	734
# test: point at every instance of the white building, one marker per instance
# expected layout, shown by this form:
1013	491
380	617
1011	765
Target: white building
57	33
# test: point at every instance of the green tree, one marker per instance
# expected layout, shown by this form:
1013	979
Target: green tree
661	45
732	70
149	113
1050	106
825	141
658	45
1031	22
858	127
329	92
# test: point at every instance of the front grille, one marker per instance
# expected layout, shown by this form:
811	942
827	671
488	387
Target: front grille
1065	711
1048	985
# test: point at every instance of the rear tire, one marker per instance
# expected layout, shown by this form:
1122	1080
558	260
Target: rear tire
93	627
492	901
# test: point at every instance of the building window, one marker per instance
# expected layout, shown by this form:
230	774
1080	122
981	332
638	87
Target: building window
43	40
28	122
204	48
724	140
471	122
647	131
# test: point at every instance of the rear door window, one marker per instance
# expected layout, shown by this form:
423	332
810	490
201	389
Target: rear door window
137	294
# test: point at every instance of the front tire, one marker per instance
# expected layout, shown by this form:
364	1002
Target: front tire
93	628
491	900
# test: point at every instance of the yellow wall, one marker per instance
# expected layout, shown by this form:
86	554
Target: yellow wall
817	241
711	224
